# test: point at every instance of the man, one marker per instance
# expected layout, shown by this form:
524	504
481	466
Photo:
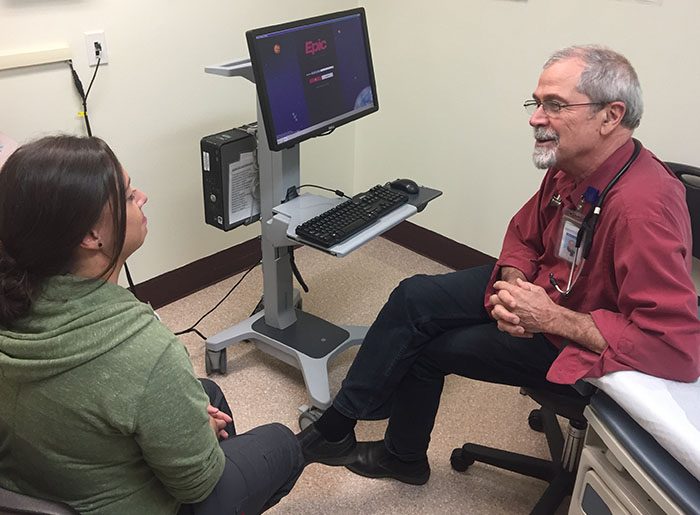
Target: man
541	317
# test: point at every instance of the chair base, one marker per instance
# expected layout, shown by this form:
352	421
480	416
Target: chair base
560	471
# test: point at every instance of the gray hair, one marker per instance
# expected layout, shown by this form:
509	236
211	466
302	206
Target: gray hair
607	77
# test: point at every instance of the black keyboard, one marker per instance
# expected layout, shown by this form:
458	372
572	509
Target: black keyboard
344	220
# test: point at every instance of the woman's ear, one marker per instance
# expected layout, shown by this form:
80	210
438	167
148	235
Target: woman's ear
92	240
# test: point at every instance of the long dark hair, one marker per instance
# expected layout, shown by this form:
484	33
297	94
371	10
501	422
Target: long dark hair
52	193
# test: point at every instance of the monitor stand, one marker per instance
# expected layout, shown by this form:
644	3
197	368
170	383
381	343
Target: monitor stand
282	329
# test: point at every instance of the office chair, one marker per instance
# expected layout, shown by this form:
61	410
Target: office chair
560	471
12	502
690	177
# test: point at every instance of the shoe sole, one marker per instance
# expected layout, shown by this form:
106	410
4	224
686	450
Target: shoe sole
410	480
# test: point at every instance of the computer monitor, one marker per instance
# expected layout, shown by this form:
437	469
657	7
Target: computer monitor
312	75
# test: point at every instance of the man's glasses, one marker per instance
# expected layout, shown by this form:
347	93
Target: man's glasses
552	107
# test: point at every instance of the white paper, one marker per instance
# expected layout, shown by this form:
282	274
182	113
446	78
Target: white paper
244	189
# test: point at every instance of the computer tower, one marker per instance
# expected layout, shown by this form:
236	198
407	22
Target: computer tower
230	179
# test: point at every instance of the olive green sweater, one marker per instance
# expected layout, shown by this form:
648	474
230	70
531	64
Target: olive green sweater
99	405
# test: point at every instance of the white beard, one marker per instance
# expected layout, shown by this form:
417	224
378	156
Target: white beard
545	157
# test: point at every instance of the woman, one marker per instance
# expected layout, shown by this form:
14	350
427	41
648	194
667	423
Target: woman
99	405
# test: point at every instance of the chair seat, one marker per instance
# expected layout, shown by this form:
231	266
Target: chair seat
568	406
13	502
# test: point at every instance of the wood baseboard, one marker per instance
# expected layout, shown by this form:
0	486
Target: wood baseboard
190	278
183	281
437	247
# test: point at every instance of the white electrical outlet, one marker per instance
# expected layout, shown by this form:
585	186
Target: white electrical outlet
96	45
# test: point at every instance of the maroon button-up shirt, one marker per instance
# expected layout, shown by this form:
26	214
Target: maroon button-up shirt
636	282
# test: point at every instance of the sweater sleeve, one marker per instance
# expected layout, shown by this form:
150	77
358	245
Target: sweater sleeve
173	431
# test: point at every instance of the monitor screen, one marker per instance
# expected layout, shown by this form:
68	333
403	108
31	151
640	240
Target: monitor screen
312	75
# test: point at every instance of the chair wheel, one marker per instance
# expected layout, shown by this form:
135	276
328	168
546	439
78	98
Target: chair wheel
308	417
534	420
460	460
215	361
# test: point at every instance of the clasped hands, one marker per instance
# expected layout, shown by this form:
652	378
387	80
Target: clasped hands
218	420
522	309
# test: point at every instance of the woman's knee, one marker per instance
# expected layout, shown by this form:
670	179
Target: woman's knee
278	440
282	463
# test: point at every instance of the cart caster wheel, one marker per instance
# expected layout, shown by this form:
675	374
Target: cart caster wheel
308	417
215	361
461	460
534	420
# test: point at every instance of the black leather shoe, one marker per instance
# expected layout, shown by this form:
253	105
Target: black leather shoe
373	460
317	449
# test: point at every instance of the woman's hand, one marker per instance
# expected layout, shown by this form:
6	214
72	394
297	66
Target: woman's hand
218	421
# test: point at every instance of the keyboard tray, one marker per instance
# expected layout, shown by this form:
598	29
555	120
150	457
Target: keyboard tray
307	206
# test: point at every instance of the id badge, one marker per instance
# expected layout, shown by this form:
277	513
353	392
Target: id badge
570	225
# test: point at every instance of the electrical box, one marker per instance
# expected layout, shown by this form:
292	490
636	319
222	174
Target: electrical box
230	178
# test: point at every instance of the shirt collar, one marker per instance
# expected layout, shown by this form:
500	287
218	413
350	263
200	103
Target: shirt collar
571	192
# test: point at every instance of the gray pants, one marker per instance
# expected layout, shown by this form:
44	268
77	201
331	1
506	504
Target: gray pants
262	466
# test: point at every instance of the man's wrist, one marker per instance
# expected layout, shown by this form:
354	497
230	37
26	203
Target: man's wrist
510	274
578	328
557	320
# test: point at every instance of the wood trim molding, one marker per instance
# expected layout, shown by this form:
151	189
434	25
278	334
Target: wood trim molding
183	281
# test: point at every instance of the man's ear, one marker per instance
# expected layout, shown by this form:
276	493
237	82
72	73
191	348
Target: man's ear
614	112
91	240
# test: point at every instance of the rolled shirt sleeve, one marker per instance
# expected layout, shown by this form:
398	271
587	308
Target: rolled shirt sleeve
656	328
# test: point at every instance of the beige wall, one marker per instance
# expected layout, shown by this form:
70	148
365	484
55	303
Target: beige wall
153	102
451	79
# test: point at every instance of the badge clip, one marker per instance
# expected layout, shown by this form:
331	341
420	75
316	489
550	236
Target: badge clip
555	201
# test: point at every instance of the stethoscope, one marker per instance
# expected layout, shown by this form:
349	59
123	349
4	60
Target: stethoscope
584	237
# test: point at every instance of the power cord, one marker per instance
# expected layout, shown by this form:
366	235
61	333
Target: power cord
293	191
84	114
81	92
193	327
295	270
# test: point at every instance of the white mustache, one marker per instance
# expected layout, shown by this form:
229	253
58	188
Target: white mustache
542	134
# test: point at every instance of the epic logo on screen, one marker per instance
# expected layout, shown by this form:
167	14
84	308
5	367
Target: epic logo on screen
311	47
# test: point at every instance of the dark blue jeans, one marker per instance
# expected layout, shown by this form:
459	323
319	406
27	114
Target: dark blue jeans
432	326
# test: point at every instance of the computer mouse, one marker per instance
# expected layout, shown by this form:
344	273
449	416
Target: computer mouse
405	185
